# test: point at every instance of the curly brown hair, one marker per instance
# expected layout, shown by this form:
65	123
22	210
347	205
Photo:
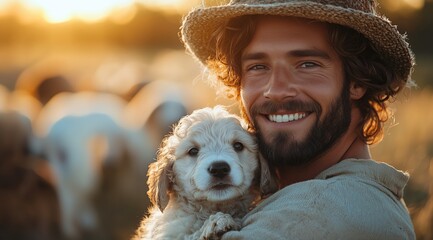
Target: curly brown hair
362	65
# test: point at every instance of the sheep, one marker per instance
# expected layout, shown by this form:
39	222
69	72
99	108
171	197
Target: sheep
29	205
78	149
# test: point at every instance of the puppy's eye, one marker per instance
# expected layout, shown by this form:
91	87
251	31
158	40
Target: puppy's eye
238	146
193	152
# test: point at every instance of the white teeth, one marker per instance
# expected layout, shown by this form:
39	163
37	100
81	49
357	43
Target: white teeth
286	117
279	118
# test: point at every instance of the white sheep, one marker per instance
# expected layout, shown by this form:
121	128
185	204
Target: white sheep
79	103
78	148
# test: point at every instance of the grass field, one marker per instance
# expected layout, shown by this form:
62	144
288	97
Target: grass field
408	145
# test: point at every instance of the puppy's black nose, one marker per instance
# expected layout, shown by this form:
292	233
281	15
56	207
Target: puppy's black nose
219	169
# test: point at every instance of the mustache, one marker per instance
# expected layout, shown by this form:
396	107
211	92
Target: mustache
271	107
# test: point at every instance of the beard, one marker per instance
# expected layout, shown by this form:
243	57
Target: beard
284	150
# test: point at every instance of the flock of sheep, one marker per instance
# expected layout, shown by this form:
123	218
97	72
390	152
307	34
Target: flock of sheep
74	162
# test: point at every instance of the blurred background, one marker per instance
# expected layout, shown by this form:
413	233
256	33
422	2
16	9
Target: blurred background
119	68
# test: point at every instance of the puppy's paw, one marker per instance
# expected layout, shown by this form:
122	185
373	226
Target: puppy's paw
217	225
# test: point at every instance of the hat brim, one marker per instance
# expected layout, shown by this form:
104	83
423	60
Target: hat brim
199	25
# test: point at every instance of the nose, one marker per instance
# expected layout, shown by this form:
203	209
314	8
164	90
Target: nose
280	84
219	169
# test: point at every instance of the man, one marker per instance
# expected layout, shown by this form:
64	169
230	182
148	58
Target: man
313	79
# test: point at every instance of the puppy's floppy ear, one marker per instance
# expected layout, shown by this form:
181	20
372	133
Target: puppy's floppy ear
160	178
268	182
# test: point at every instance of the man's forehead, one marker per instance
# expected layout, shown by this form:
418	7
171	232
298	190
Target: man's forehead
302	37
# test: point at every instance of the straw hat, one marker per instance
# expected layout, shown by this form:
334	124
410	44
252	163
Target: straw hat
361	15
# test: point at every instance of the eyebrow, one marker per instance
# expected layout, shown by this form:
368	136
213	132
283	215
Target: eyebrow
294	53
309	53
253	56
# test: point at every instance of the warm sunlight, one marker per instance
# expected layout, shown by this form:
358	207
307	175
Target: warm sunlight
58	11
55	11
177	5
404	5
416	4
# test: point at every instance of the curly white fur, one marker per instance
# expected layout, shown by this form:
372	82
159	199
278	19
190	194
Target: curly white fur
206	176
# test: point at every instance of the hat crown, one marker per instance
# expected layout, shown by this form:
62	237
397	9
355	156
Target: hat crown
200	25
368	6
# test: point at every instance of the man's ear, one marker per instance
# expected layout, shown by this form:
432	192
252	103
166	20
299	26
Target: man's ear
356	91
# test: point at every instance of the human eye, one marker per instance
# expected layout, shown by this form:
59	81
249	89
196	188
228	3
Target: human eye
308	65
257	67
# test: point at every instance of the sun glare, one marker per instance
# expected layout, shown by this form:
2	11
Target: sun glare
57	11
177	5
117	11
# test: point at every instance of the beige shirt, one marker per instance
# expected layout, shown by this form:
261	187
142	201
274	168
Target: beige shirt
354	199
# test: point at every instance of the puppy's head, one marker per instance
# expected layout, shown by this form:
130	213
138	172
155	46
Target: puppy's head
209	157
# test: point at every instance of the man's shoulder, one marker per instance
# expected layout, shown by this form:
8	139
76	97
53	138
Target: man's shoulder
347	202
353	182
338	203
333	207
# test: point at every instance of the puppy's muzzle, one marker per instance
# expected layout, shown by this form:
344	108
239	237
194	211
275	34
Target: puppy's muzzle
219	169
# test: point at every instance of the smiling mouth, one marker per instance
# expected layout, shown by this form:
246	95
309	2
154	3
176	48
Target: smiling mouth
283	118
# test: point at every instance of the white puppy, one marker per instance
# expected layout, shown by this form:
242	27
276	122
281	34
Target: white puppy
205	179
